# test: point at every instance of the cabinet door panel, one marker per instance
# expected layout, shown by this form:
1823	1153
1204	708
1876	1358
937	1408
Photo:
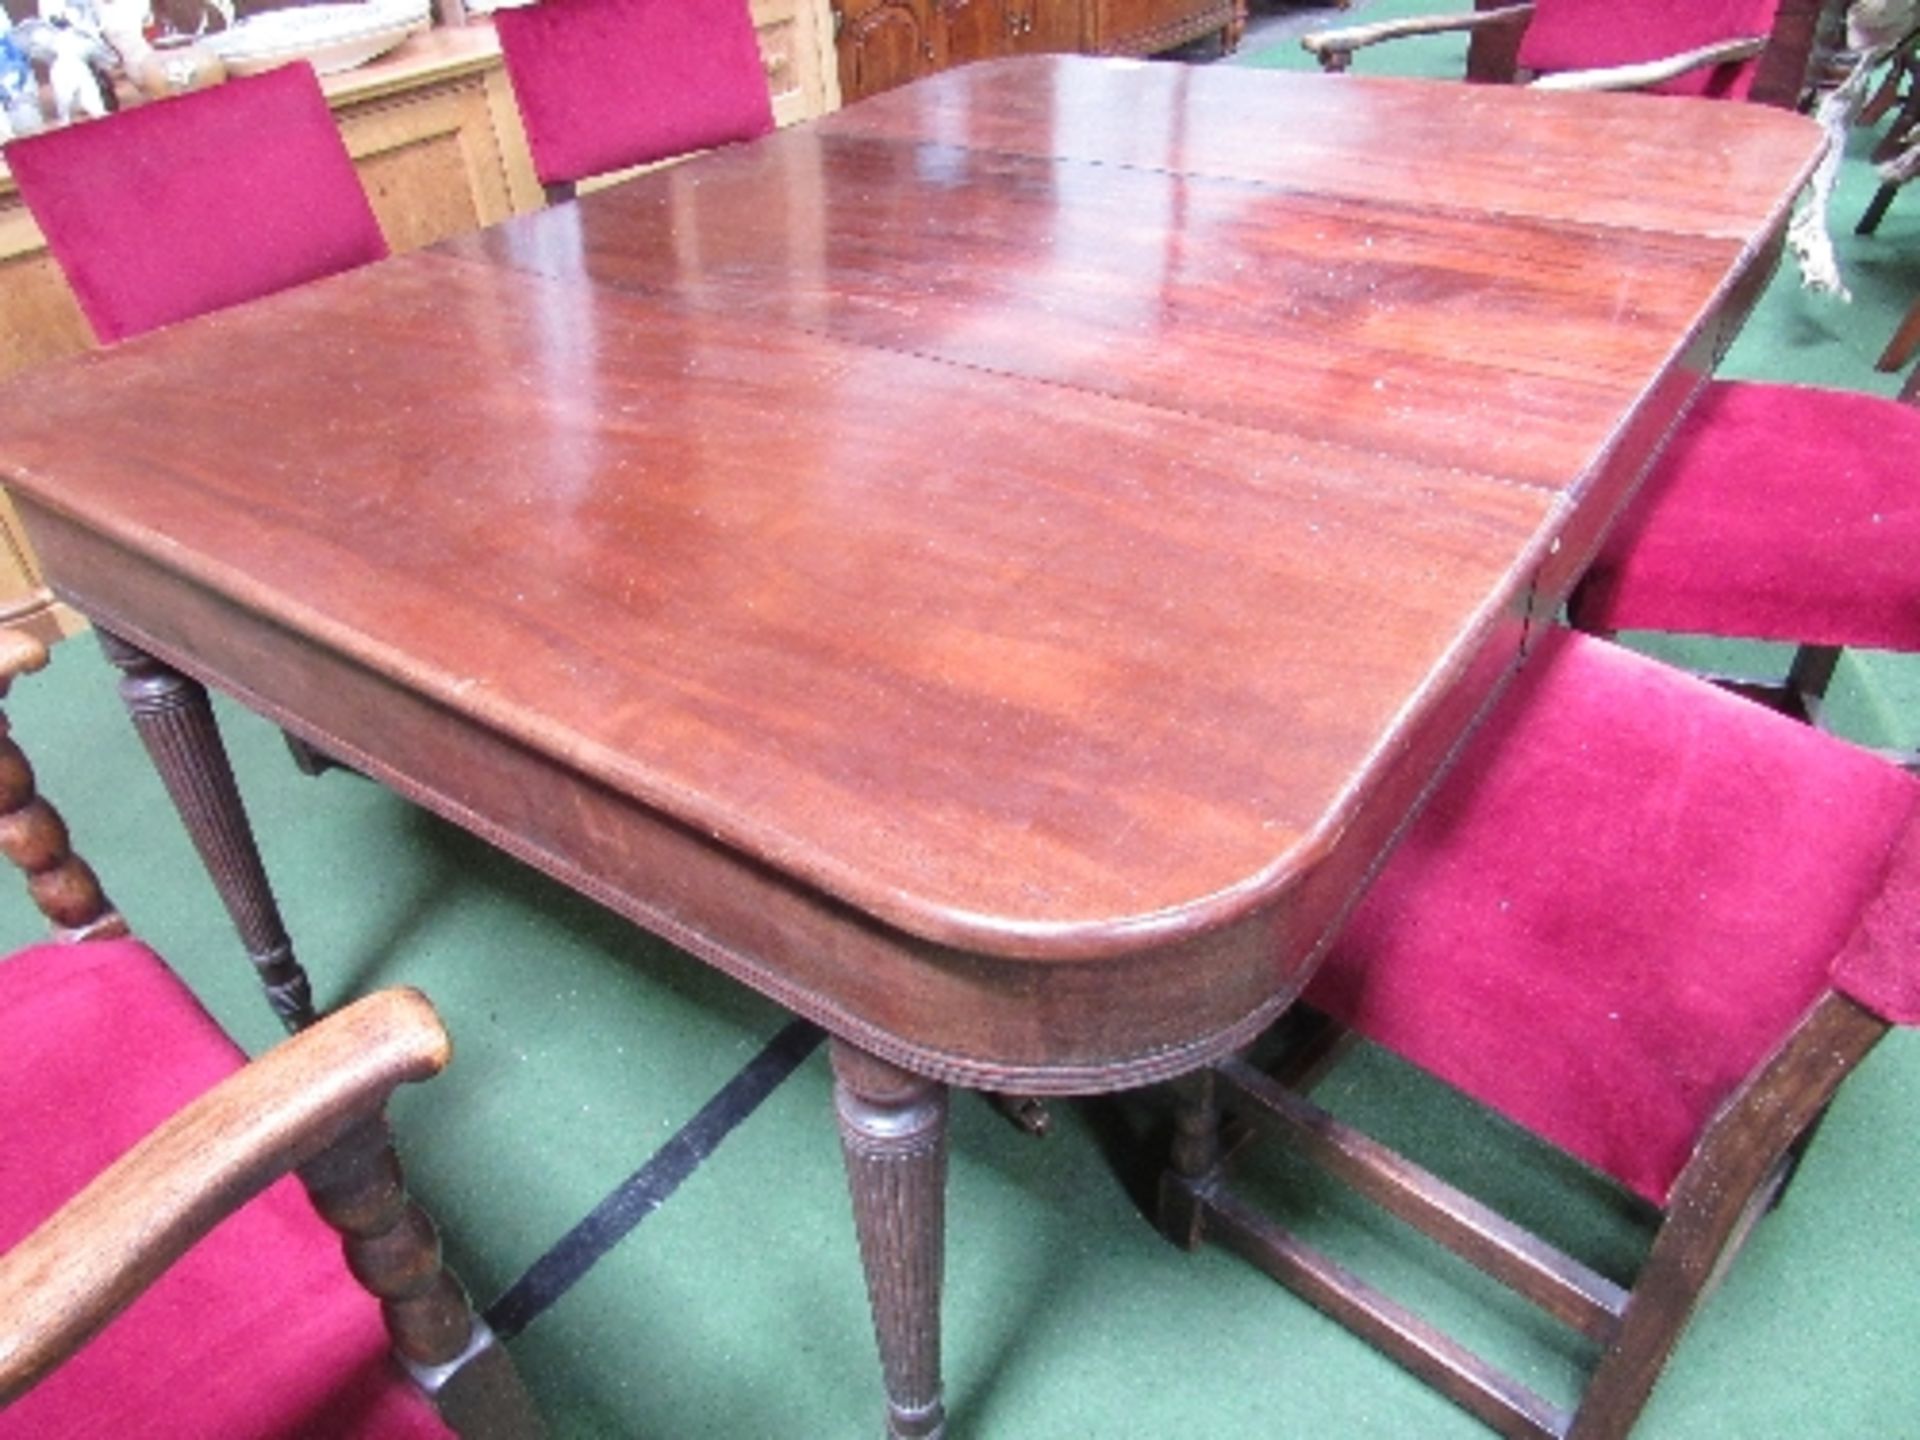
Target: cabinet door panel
883	46
1050	27
39	318
974	29
430	164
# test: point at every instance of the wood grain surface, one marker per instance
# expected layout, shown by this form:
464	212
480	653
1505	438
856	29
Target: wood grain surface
994	569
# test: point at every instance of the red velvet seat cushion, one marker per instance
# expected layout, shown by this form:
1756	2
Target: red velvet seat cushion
259	1331
1881	965
605	84
1595	34
1778	512
178	207
1625	894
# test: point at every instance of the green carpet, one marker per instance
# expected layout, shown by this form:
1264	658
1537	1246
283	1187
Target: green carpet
737	1311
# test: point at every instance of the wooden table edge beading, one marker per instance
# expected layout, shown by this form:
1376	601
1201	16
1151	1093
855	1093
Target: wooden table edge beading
990	1010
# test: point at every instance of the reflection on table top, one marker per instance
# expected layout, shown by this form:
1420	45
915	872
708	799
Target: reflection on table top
1052	509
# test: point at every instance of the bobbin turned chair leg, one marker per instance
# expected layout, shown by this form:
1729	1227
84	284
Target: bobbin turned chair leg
33	835
161	1139
393	1250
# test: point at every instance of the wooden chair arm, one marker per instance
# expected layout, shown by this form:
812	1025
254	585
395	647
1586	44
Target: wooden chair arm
20	654
1653	72
1334	48
94	1256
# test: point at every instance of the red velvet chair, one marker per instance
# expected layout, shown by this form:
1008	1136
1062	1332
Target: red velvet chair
176	207
1641	918
160	1274
608	84
1725	49
1777	512
179	207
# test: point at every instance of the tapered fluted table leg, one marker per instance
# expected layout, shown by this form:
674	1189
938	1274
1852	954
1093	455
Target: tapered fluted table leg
893	1129
176	723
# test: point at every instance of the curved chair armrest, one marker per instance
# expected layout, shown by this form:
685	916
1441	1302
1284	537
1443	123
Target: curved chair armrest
20	654
1901	166
100	1250
1653	72
1334	48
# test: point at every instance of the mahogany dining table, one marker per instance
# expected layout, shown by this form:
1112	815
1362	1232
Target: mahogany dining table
992	570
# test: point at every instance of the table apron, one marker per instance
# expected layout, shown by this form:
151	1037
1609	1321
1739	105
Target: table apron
1140	1014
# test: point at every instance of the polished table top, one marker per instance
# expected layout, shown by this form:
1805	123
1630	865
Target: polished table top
991	569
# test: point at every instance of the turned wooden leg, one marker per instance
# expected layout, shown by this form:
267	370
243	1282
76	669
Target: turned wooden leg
1194	1157
393	1250
176	723
307	760
893	1130
1026	1113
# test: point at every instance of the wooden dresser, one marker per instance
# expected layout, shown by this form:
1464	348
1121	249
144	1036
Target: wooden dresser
433	131
884	43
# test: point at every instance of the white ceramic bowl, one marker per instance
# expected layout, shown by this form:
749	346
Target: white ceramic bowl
330	37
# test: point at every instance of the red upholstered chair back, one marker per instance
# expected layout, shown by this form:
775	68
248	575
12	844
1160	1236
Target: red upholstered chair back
182	206
1596	34
607	84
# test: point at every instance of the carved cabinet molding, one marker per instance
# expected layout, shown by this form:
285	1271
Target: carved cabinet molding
884	43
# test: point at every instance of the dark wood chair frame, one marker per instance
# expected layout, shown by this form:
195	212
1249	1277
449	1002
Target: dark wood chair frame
314	1106
1899	93
1496	27
1738	1169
